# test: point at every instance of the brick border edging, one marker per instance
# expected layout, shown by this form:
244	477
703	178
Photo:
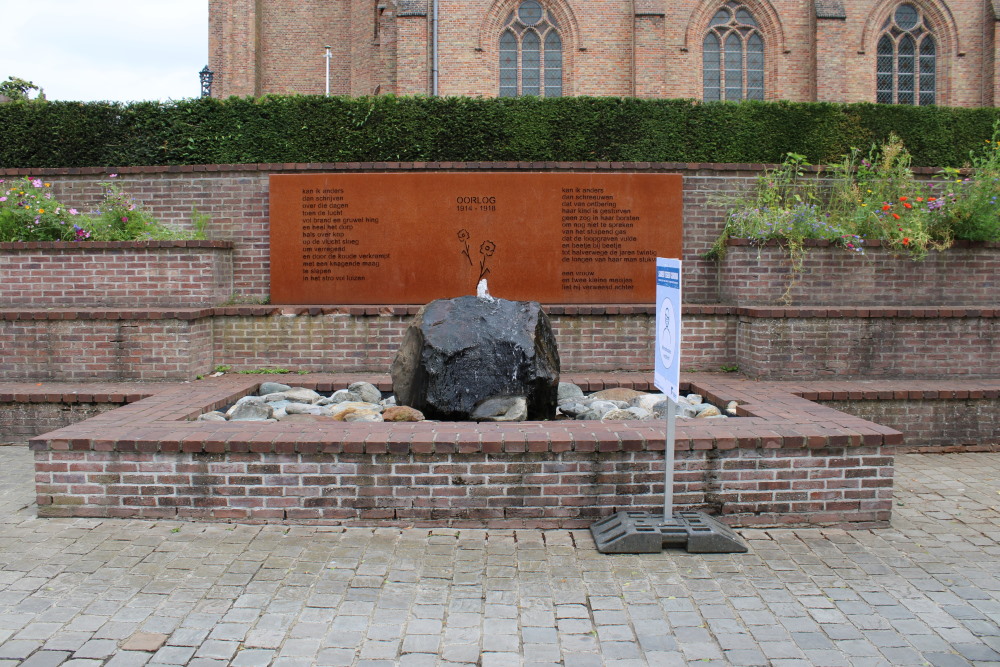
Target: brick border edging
785	420
114	245
810	390
199	312
417	166
826	243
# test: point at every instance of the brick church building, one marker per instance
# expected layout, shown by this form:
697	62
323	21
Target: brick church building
890	51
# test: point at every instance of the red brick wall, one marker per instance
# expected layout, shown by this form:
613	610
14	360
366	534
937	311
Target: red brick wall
934	425
746	487
235	199
796	463
107	346
647	48
21	420
965	275
119	274
337	341
810	344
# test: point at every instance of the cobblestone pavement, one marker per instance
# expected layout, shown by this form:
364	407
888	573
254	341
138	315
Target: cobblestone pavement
95	592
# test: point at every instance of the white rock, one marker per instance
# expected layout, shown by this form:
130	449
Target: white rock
365	391
301	395
363	416
568	390
306	409
272	388
214	416
250	410
646	401
617	415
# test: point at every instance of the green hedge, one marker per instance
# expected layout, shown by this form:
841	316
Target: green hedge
338	129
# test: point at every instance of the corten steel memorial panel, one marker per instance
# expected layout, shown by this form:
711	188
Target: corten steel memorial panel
413	238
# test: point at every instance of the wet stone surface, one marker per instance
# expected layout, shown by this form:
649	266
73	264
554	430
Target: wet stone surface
93	592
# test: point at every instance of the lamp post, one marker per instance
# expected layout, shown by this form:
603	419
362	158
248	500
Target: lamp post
327	56
206	75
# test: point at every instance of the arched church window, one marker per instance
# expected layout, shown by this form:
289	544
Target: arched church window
906	59
733	56
530	53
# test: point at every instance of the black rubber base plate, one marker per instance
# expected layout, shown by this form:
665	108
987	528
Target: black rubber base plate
644	533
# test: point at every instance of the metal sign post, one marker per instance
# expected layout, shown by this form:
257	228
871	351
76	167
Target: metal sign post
668	464
642	532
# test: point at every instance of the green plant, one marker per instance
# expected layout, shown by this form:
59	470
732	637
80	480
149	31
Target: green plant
971	202
874	196
199	222
729	368
265	371
15	88
222	369
786	208
119	218
29	212
311	128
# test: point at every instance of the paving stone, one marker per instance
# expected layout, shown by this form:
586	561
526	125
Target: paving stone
925	590
46	659
144	641
95	648
129	659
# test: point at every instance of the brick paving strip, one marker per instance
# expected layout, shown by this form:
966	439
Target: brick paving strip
118	592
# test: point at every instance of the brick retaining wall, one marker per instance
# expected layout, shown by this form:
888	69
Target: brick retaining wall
105	345
235	197
935	424
965	275
812	343
115	274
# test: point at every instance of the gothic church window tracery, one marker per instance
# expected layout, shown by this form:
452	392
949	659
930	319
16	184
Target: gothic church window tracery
906	59
733	56
531	58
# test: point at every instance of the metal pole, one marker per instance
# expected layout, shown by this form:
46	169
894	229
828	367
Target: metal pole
434	49
668	467
327	56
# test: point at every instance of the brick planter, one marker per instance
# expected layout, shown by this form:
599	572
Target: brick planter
796	463
116	274
757	275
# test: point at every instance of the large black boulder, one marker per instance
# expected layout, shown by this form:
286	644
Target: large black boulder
458	352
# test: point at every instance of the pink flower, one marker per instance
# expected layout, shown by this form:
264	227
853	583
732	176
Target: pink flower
37	183
73	211
113	176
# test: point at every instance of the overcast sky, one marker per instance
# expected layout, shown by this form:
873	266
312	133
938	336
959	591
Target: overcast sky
122	50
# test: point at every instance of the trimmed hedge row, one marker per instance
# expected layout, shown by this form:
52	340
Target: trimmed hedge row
340	129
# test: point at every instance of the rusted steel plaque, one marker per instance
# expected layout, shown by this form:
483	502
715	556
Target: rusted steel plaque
413	238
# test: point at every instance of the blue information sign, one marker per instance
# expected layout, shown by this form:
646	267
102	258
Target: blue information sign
667	366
